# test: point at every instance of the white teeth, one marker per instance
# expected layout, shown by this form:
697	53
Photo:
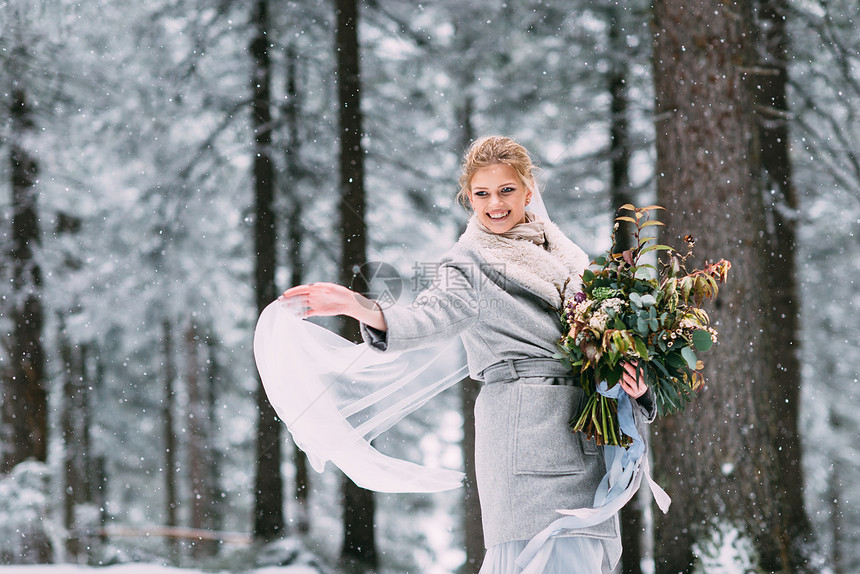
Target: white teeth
499	215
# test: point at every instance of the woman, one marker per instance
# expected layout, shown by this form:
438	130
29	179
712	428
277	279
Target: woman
499	289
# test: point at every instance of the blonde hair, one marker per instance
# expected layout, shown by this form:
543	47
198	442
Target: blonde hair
493	150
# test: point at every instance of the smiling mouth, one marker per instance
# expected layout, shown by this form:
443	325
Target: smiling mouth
498	215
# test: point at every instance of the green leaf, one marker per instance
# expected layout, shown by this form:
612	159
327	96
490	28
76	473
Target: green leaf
655	247
676	360
642	271
652	222
648	300
587	276
702	340
690	357
641	348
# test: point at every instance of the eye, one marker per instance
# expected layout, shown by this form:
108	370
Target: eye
508	189
481	193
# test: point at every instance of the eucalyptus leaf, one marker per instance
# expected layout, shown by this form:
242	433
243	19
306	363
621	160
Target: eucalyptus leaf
647	300
676	360
702	340
690	357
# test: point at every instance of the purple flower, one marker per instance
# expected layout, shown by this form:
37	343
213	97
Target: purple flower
579	297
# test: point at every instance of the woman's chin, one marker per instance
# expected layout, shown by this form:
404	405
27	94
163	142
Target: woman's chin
500	225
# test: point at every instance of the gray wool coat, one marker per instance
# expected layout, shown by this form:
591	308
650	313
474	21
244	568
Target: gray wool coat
501	296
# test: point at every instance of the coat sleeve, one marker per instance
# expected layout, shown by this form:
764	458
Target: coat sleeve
444	310
647	408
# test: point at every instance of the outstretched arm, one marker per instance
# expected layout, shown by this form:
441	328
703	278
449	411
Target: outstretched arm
326	299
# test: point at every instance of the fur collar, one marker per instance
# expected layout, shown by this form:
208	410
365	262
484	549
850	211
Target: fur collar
542	270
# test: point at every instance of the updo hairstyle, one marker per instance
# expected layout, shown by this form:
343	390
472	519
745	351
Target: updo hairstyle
493	150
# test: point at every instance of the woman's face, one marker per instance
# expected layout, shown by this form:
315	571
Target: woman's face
498	197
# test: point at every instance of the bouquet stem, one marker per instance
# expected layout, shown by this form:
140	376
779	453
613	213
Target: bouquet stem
598	422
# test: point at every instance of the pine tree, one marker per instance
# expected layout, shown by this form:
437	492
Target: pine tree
269	504
25	399
719	459
358	553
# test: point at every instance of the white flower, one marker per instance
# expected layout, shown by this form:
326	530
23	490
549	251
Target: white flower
613	303
598	320
581	310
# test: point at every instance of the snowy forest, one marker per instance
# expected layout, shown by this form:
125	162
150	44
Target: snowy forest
170	166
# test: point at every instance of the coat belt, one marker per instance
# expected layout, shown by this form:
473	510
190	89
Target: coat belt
510	370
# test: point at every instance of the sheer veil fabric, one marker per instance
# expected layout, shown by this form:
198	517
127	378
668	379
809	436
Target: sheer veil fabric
336	396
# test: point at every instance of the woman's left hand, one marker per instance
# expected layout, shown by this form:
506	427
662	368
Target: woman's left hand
632	384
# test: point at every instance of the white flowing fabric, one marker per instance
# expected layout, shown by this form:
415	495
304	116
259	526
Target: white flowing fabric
570	555
336	396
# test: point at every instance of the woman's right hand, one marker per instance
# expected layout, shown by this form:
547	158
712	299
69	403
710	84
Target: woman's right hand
326	299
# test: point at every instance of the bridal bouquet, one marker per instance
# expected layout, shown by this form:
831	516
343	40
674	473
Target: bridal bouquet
628	311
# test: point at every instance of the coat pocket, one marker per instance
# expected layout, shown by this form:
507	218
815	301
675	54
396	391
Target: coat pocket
543	441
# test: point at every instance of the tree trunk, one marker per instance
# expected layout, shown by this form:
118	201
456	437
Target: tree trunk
473	530
781	209
25	400
269	500
292	110
70	416
836	495
619	140
358	553
718	459
99	461
199	440
171	499
85	384
620	194
214	461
